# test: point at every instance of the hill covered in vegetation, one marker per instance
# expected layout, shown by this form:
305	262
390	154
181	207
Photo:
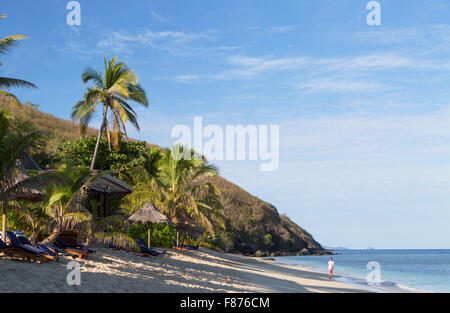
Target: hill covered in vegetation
253	227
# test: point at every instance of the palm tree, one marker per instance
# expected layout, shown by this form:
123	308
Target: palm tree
5	82
180	188
113	89
14	142
67	208
36	219
67	197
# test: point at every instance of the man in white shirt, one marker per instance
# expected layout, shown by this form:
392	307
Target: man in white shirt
330	267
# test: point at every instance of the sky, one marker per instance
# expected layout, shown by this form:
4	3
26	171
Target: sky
363	111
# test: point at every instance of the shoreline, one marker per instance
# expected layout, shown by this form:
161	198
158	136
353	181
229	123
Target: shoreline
384	287
201	271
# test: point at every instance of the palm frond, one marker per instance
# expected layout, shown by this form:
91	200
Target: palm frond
90	74
118	239
8	42
13	82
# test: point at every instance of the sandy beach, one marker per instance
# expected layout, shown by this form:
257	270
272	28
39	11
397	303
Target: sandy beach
200	271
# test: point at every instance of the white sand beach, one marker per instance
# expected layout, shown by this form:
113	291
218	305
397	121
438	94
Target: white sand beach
200	271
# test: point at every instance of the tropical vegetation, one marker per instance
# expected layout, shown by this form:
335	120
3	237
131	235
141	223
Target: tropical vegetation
182	188
6	43
112	89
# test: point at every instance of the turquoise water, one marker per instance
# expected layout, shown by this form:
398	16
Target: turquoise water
404	270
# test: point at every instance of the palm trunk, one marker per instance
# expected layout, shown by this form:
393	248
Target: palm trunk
94	158
5	208
53	236
33	237
149	234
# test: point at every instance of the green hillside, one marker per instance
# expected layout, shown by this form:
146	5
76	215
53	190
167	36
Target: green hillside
252	225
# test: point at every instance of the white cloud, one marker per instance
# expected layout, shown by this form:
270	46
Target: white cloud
186	78
172	41
158	17
388	35
376	139
248	67
276	29
337	85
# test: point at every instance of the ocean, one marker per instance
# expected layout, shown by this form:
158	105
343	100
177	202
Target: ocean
399	270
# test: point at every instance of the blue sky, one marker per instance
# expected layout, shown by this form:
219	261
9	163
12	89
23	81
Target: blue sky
363	110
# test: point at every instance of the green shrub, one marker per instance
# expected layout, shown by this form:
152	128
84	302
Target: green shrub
15	222
268	240
162	234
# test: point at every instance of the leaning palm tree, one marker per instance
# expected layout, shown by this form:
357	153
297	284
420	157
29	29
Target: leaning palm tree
67	208
5	82
181	189
113	88
67	197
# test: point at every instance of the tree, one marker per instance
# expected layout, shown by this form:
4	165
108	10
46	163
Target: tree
67	198
15	140
180	188
35	218
67	208
5	82
132	155
113	89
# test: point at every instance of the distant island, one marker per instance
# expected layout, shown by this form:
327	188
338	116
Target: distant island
336	248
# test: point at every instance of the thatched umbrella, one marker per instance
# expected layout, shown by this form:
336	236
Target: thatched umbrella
28	192
185	224
148	214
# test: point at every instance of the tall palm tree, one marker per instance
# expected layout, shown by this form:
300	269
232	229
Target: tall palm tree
112	89
5	82
180	188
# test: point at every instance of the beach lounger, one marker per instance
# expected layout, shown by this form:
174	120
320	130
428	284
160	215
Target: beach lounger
74	252
60	242
14	241
144	244
56	249
52	247
22	253
179	247
146	251
48	248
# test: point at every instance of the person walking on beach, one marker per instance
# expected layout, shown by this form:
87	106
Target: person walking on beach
330	267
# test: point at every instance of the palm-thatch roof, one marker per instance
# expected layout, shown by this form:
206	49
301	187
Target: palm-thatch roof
25	191
109	183
184	223
149	213
27	162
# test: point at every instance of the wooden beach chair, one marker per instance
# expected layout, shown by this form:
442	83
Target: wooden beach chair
20	253
146	251
24	242
74	252
62	243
